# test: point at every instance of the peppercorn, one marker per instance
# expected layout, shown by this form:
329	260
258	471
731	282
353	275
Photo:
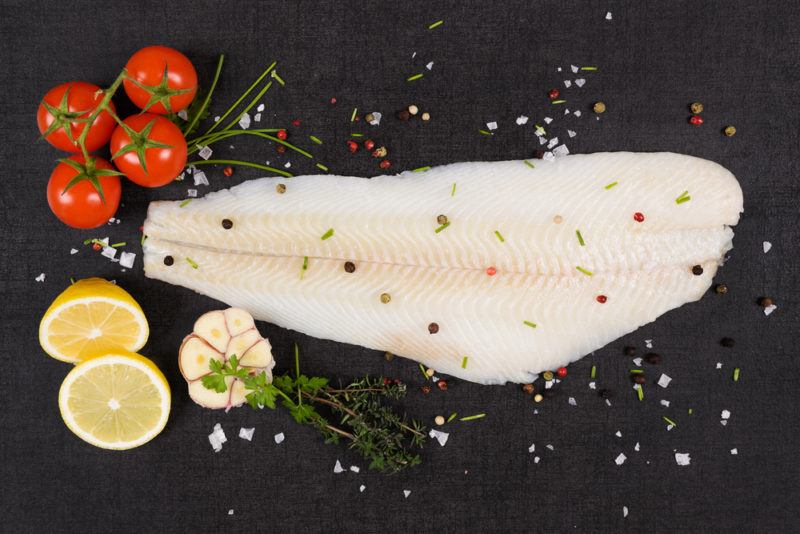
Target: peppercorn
538	153
638	216
652	358
352	146
385	298
561	372
387	381
227	171
369	117
403	115
97	246
442	385
385	164
553	94
696	120
433	328
765	302
425	389
227	224
380	152
730	131
280	149
280	188
697	270
538	398
491	271
281	135
441	219
547	375
413	109
349	267
605	393
388	356
629	351
639	378
426	116
721	289
602	299
599	107
333	100
696	108
168	260
527	389
439	420
296	122
727	342
369	144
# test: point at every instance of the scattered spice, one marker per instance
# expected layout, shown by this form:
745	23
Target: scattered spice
602	299
730	131
580	238
388	356
427	372
652	358
442	384
599	107
322	167
386	298
684	197
528	163
558	219
413	109
538	398
369	144
191	262
353	116
169	260
553	94
441	219
464	361
442	227
640	393
282	135
669	421
426	116
421	169
638	216
425	389
280	149
304	267
584	271
736	374
499	236
558	102
369	117
228	171
528	323
385	164
527	389
491	271
439	420
727	342
414	77
185	203
352	146
327	234
227	224
612	184
96	246
380	152
696	108
280	188
721	289
433	328
436	24
547	375
453	190
349	267
697	270
696	120
561	372
484	132
471	417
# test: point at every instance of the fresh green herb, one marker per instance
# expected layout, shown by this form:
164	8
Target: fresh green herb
356	135
198	110
424	373
584	271
239	101
191	262
442	227
580	238
277	78
529	164
558	102
612	184
185	203
736	374
471	417
540	129
71	280
640	392
588	68
355	413
691	411
304	267
485	132
315	139
593	373
453	191
322	167
499	236
144	237
464	362
421	169
452	416
117	245
529	323
436	24
636	371
669	421
414	77
353	116
684	197
327	234
242	163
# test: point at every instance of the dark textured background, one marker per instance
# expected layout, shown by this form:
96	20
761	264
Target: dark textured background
493	61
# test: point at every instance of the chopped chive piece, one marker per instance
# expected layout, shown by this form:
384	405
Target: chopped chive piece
452	416
87	241
464	362
274	74
353	116
540	129
558	102
442	227
143	238
422	369
71	280
612	184
315	139
436	24
117	245
471	417
580	238
185	203
669	421
736	375
640	392
327	234
584	271
421	169
323	167
593	374
499	236
191	262
684	197
636	371
304	268
529	164
588	68
691	410
529	323
484	132
414	77
356	135
453	191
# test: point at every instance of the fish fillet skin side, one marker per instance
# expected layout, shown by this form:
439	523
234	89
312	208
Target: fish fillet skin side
558	236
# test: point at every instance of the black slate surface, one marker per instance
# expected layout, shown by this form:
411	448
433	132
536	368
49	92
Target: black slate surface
492	61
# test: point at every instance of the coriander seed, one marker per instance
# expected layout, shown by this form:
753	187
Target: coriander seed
441	219
547	375
696	108
730	131
386	298
280	188
599	107
439	420
426	116
538	398
721	289
413	109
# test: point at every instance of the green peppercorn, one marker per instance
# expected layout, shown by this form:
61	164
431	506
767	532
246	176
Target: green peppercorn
385	298
696	108
730	131
441	219
599	107
280	188
547	375
721	289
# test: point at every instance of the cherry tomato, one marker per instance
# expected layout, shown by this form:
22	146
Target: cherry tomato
156	140
80	205
160	80
69	101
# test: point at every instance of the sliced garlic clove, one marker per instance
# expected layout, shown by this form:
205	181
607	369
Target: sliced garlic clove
211	327
238	393
259	355
238	321
208	398
194	357
241	343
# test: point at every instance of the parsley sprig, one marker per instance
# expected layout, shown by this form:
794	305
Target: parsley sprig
356	412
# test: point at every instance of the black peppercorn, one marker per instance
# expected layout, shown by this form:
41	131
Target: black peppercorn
349	267
168	260
697	270
639	378
227	224
433	328
721	289
727	342
629	351
652	358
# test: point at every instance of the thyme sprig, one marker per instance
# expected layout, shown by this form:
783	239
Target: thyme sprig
355	412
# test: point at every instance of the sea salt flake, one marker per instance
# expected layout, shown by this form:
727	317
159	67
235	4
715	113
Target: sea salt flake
429	66
724	422
246	433
216	119
574	68
548	120
553	142
726	414
205	152
608	402
572	401
592	385
665	402
244	121
719	365
636	447
769	309
558	69
734	451
682	458
413	55
548	384
279	437
620	459
522	119
580	81
288	164
338	467
109	252
257	117
566	111
230	512
361	488
200	178
664	380
376	118
608	16
624	511
406	493
40	278
73	251
532	448
180	177
577	113
561	150
571	133
491	125
126	259
549	447
191	193
549	156
260	107
618	434
670	427
355	469
567	83
217	438
536	460
648	343
440	436
637	362
183	114
767	246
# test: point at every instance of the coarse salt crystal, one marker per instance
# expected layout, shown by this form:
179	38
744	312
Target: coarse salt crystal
558	69
624	511
553	142
734	451
561	150
572	401
191	193
548	384
260	107
406	493
580	81
549	447
608	16
664	380
413	55
180	177
577	113
665	402
620	459
719	365
109	252
608	402
429	66
355	469
648	343
361	488
288	164
769	309
244	121
542	140
73	251
247	433
491	125
574	68
549	156
548	120
592	385
441	437
566	111
532	447
126	259
216	119
571	133
767	246
724	422
257	117
726	414
567	83
682	458
40	278
205	152
376	118
536	460
636	447
637	362
522	119
618	434
217	438
230	512
338	467
279	437
200	178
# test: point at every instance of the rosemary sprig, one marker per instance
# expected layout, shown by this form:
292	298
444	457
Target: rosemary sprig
355	412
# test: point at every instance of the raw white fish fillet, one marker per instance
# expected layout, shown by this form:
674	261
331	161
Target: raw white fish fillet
506	215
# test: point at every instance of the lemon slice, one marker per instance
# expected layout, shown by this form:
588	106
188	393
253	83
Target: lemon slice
92	317
115	401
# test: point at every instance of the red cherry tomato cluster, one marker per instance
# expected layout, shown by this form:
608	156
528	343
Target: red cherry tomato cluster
79	117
